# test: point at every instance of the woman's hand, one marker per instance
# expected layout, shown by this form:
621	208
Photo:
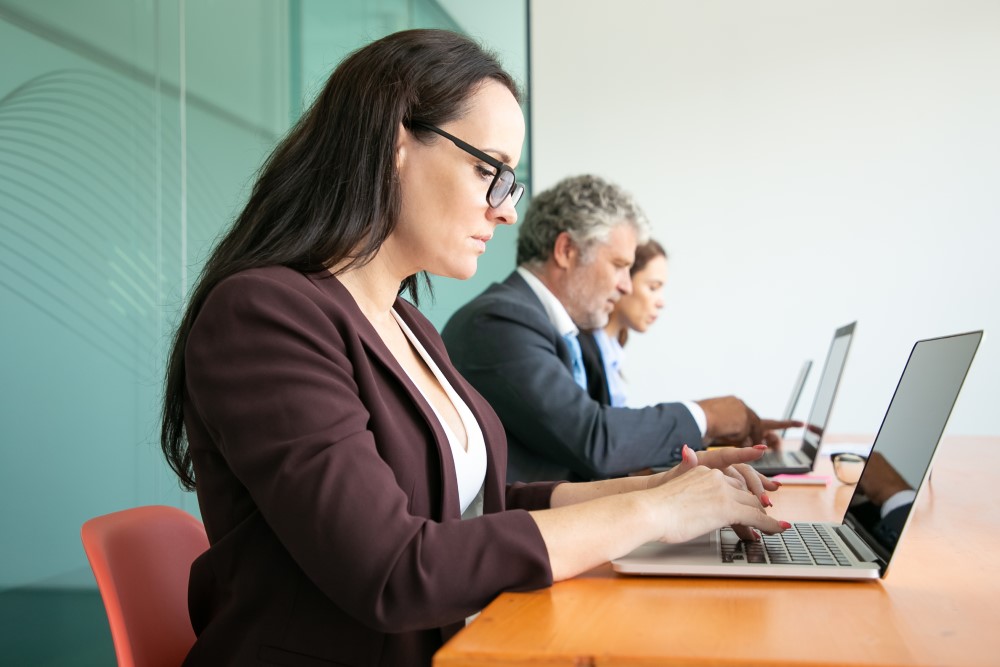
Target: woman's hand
593	522
741	487
731	460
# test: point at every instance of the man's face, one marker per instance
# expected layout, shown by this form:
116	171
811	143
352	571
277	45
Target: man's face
597	279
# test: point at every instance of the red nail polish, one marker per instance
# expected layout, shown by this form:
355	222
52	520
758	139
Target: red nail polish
760	446
765	500
785	525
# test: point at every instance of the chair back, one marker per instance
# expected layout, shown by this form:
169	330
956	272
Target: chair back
141	558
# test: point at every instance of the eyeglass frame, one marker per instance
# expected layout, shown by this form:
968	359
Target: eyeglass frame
516	189
860	459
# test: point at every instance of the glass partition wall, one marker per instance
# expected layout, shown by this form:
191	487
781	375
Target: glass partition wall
130	133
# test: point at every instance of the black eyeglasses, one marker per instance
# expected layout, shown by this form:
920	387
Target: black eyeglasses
504	185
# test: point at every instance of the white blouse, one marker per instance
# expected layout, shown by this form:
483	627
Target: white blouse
470	464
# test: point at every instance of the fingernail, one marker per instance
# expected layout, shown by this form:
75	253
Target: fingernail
760	446
784	525
765	500
776	482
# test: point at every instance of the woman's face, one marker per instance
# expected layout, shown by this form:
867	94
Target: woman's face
445	222
639	309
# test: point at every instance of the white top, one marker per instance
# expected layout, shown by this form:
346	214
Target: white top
563	323
470	464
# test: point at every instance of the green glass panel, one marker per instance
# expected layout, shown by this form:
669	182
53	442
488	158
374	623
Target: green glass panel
130	133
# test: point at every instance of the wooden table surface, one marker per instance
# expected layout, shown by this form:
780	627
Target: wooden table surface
938	605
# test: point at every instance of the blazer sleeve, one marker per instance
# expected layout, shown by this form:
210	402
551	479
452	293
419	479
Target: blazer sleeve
273	381
513	356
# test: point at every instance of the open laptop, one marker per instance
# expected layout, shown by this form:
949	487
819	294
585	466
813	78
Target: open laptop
907	439
802	460
800	383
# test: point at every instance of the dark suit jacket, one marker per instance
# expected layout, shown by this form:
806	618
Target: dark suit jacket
593	363
504	344
328	490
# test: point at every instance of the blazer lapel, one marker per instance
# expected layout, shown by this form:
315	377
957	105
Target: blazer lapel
496	443
380	353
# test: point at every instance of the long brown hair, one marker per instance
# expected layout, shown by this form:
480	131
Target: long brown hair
329	191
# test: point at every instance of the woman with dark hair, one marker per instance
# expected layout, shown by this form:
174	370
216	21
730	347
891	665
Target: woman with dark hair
635	311
350	481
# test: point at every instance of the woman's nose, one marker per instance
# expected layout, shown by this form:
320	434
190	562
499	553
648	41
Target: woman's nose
504	214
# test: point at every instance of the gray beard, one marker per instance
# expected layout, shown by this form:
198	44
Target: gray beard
586	321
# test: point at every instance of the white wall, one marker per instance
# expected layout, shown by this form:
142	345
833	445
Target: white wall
806	164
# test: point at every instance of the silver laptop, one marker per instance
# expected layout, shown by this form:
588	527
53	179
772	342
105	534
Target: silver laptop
801	461
800	383
863	545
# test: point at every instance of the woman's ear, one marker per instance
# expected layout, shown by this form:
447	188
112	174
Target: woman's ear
402	138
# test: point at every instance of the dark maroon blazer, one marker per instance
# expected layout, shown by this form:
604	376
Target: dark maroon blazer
328	490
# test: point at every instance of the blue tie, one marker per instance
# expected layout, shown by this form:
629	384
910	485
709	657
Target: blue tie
579	374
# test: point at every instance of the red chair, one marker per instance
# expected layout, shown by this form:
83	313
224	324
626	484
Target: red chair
141	559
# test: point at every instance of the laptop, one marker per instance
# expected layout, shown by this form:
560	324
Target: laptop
793	400
802	460
856	548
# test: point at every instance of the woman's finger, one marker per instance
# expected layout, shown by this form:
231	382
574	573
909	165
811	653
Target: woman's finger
745	533
754	482
727	456
689	460
759	519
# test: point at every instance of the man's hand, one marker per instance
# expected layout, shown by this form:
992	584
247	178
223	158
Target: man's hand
731	422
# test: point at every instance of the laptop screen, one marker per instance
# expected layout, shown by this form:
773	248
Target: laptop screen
910	431
800	383
826	391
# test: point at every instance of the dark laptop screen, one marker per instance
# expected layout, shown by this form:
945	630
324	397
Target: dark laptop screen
910	431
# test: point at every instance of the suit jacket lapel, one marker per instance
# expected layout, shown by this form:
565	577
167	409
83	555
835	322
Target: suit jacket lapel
516	282
593	364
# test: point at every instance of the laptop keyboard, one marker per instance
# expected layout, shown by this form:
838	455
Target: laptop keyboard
773	459
802	544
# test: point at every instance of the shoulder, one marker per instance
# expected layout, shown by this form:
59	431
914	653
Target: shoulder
280	286
503	322
267	281
278	299
508	301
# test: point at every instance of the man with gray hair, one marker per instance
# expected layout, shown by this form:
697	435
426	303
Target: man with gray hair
516	343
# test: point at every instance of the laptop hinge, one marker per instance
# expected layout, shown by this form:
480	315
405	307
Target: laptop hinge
861	550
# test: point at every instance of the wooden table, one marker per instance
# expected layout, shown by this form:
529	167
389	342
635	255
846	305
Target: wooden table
938	605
